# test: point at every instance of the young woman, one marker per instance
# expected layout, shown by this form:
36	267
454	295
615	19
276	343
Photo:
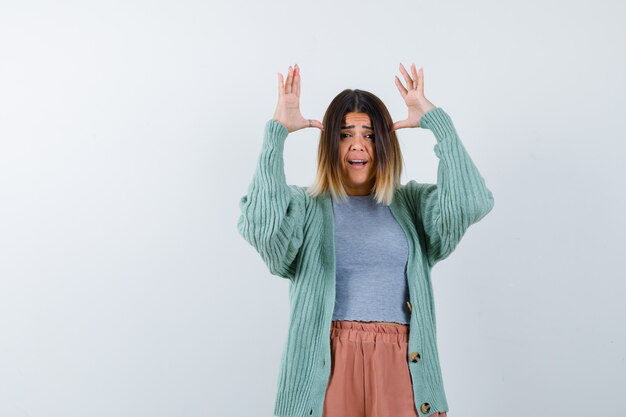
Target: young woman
357	248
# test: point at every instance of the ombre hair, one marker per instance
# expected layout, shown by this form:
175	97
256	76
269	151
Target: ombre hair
388	154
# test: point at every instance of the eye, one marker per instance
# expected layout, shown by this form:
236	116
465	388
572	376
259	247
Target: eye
371	137
344	135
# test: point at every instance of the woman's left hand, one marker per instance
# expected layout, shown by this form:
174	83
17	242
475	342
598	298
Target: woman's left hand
413	96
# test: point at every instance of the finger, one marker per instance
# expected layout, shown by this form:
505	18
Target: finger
296	81
420	81
401	88
407	77
281	89
288	86
414	72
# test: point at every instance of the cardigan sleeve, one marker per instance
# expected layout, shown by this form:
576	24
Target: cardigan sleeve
460	197
272	212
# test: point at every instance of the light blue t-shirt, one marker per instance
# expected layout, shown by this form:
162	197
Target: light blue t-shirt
371	255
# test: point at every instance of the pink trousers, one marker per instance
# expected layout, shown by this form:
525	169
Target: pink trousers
370	374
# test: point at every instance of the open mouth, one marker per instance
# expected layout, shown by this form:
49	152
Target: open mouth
357	162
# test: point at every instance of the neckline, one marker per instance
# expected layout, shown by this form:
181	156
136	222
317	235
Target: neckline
368	199
357	197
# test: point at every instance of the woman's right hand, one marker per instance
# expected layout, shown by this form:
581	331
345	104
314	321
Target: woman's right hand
288	106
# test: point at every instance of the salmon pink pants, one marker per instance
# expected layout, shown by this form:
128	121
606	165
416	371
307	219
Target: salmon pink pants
370	373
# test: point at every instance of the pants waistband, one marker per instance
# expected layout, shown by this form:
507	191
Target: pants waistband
369	331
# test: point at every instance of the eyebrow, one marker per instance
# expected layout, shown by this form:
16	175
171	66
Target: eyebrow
352	127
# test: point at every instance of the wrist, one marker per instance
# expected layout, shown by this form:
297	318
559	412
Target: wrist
282	123
439	122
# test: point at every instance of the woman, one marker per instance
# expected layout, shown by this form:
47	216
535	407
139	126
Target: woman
358	247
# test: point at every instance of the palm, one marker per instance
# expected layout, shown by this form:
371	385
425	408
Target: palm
288	106
412	99
291	106
413	95
413	103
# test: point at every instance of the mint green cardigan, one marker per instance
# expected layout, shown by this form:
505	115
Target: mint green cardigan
294	234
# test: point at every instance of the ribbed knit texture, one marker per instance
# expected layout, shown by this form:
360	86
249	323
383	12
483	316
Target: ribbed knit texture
294	234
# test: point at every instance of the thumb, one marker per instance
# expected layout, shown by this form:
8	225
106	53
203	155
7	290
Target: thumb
314	123
317	124
401	124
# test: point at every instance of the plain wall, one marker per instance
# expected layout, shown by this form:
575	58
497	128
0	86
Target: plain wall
129	131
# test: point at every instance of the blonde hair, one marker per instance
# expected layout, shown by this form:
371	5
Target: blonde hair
388	154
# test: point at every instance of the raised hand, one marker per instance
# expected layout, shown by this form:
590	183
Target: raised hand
288	106
413	96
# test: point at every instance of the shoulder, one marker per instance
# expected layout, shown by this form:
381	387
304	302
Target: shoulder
301	196
299	191
413	189
297	194
413	194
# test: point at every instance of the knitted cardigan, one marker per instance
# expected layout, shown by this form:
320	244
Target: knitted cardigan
294	234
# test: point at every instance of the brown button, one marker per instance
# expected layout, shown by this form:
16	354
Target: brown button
414	357
425	408
408	304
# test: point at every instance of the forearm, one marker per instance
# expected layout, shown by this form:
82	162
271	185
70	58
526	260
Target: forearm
272	212
460	197
462	189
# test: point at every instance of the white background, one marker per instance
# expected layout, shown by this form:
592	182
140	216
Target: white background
129	130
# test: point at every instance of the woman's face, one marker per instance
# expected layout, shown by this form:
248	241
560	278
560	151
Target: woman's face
356	143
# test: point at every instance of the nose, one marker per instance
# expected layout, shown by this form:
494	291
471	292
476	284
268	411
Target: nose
357	144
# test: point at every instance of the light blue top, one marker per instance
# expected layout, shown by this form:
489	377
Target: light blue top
371	254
